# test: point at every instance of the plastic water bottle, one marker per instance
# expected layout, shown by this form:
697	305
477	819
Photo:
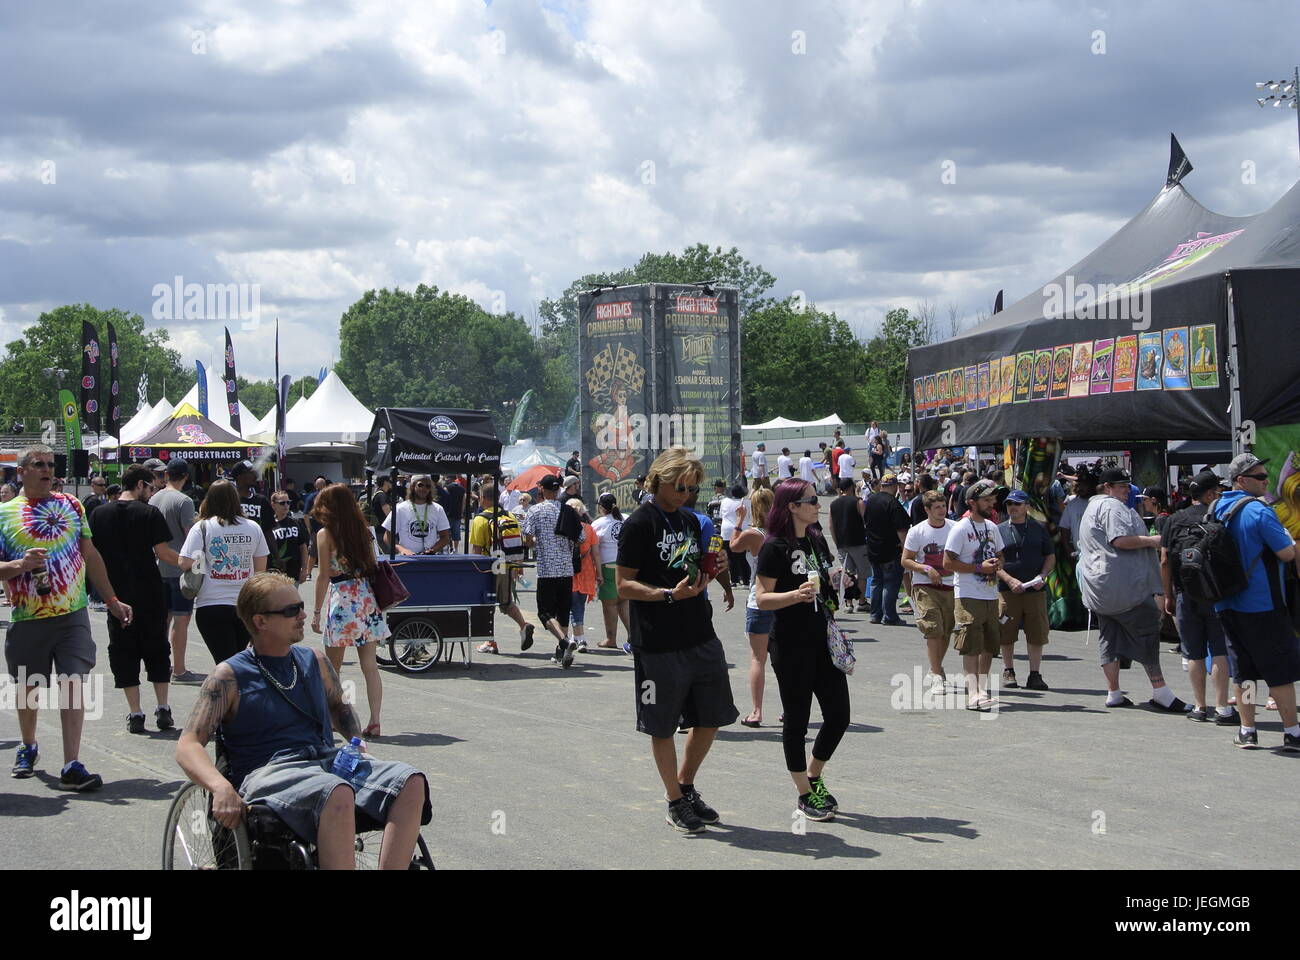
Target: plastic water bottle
350	765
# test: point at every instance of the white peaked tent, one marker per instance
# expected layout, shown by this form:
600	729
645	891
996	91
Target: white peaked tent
142	424
265	431
218	412
330	415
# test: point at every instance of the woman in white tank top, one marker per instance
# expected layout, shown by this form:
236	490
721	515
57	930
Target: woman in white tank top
758	623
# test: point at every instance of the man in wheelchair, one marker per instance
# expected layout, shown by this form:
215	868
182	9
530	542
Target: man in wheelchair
277	705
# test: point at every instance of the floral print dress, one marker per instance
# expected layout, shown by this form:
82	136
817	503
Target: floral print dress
352	615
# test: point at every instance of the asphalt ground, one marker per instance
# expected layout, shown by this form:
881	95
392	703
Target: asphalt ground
533	766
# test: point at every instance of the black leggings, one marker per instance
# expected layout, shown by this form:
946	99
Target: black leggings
803	670
222	631
739	565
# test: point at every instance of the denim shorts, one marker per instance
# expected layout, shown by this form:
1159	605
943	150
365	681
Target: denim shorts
759	621
577	607
176	601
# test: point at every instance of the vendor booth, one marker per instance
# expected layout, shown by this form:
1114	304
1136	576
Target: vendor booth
453	596
200	442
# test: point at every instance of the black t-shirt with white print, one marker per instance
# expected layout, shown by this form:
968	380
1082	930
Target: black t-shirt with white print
787	561
656	544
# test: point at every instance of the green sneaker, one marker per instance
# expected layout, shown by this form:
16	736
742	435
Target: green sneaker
819	790
812	807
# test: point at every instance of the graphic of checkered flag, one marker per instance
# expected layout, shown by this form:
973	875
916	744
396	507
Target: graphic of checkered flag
628	370
600	372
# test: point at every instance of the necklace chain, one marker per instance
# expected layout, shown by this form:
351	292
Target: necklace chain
267	673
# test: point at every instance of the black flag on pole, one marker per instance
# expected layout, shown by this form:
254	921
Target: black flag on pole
997	303
114	428
1179	165
232	387
89	375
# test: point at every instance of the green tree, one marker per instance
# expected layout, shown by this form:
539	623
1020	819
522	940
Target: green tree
257	395
54	342
801	363
434	349
886	391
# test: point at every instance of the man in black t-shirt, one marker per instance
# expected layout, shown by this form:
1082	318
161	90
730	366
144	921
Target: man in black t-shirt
681	669
255	506
288	540
451	497
1027	557
887	524
381	504
130	534
574	467
850	537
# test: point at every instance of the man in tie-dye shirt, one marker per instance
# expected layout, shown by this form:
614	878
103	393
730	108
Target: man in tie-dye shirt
46	554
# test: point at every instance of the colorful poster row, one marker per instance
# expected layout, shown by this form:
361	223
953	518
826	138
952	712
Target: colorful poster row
1180	358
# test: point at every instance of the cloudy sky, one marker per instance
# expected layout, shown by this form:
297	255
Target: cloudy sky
317	149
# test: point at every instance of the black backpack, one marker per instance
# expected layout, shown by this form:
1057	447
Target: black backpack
1210	567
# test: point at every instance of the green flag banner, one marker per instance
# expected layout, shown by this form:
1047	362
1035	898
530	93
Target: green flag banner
71	419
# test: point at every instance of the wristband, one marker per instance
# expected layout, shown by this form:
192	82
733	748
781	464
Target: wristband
668	596
110	600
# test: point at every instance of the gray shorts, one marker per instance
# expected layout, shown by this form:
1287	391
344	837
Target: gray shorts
63	642
1131	635
689	685
297	788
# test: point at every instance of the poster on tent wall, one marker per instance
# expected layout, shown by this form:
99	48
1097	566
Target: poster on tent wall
1114	381
698	346
615	349
660	367
1280	446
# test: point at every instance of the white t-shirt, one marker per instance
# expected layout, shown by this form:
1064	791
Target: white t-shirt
608	528
1071	513
783	464
975	543
929	542
418	525
760	464
729	507
847	463
806	469
229	560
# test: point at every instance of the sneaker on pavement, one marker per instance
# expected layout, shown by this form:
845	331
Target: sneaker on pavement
827	798
567	657
627	648
814	808
558	656
189	676
1009	680
1036	682
683	816
526	638
163	718
1290	743
77	778
1247	741
1231	720
1200	715
581	645
25	763
702	810
135	723
896	622
489	646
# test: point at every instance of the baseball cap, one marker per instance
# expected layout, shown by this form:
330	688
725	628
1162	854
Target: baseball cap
549	482
981	488
177	468
1203	482
1243	463
888	478
1115	475
242	467
154	465
570	481
1157	493
1017	496
1065	471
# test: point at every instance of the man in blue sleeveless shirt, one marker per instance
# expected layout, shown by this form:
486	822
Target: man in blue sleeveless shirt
276	703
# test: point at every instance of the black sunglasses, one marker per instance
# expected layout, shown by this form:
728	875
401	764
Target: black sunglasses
681	488
812	500
289	612
1256	476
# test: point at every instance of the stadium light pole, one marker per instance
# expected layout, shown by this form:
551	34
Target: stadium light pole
1283	92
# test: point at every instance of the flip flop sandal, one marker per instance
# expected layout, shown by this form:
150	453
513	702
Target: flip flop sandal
1126	702
751	723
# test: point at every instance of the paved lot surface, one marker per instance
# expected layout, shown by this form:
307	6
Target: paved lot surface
536	767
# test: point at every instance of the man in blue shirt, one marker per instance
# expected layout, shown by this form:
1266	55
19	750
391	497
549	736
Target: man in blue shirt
1259	630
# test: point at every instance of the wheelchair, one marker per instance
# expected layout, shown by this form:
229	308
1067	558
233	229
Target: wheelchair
194	840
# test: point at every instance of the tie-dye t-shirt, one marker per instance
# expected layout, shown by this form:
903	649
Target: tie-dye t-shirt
56	525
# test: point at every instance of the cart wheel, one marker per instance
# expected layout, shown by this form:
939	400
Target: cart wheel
415	645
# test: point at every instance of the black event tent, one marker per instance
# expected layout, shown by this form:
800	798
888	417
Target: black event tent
1158	366
427	440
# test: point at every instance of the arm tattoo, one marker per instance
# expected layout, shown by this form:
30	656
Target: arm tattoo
217	698
341	713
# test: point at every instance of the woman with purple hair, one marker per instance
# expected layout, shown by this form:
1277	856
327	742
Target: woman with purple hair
793	579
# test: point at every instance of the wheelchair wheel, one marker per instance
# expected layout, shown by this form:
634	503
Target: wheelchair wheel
368	846
415	645
195	841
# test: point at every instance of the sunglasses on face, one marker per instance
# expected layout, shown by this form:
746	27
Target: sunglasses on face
289	612
682	488
283	503
421	486
1256	476
812	500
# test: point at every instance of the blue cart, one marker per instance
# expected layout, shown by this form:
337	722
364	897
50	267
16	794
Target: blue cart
453	600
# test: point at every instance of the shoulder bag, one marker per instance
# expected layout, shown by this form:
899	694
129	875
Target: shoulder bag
192	579
387	586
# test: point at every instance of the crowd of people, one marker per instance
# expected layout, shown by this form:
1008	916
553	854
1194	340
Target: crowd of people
943	537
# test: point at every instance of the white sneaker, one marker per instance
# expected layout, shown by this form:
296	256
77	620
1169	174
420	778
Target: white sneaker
582	644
